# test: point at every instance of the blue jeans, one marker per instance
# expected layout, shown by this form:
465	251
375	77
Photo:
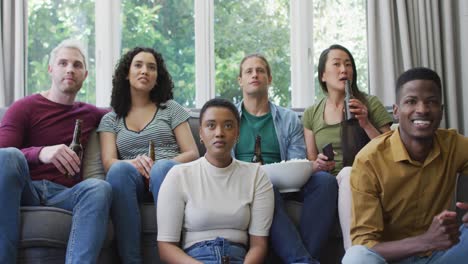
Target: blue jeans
320	194
89	201
455	255
158	174
213	251
128	190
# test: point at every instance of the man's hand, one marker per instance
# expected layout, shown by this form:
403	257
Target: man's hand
63	158
464	206
143	164
443	232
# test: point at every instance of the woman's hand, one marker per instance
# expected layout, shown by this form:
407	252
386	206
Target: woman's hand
322	163
143	164
360	112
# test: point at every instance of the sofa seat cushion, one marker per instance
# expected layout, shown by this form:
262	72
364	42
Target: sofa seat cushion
148	218
44	226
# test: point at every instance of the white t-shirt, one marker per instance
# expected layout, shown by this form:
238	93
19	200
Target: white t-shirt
204	202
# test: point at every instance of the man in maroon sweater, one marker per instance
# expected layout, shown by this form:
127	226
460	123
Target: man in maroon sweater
38	168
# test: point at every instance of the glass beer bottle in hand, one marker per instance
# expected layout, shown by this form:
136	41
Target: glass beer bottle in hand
152	156
348	95
257	156
75	145
151	153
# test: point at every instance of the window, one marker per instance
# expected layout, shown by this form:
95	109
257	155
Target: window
245	27
50	22
229	30
341	22
168	27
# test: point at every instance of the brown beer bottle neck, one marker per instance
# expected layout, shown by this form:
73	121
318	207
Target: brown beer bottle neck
257	156
151	150
77	132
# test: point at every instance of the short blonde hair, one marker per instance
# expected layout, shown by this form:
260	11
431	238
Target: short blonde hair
71	44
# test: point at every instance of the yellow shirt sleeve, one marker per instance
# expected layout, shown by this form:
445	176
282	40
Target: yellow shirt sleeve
367	218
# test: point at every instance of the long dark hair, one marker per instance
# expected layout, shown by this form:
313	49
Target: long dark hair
321	69
353	137
161	92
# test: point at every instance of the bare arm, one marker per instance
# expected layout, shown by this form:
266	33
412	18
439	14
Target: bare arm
258	249
361	113
441	235
186	142
319	161
108	149
172	253
373	132
312	150
109	155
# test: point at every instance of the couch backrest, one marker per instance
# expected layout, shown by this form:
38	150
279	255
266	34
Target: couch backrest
2	112
93	165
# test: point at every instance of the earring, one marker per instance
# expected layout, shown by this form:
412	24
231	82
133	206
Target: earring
201	141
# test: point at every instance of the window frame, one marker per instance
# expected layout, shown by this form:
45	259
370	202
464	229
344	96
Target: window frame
108	41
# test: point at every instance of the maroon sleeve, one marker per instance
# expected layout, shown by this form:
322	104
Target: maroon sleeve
13	127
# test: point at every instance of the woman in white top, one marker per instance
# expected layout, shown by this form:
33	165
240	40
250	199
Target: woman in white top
222	207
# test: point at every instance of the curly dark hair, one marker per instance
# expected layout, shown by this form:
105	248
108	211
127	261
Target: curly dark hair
321	69
161	92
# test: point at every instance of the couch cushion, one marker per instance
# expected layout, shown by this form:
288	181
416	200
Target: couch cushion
43	226
148	218
92	164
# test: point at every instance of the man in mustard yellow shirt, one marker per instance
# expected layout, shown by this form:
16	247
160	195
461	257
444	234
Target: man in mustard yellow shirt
403	183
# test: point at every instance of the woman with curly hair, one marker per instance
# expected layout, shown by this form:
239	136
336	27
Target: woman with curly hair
143	111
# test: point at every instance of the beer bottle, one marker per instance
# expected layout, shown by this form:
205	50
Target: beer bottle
348	95
75	145
257	156
152	156
151	150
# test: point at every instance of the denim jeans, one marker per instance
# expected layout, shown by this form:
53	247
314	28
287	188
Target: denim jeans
457	254
213	251
317	218
128	190
158	174
89	201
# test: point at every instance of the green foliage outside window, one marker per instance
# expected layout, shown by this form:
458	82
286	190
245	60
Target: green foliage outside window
50	22
168	27
241	28
341	22
245	27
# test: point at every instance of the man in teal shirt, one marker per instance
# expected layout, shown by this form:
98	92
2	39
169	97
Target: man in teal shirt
283	139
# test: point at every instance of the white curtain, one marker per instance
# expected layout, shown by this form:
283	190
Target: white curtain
13	24
403	34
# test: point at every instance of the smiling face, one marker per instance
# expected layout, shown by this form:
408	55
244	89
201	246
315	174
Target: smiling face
219	131
338	69
254	77
143	72
68	71
419	110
